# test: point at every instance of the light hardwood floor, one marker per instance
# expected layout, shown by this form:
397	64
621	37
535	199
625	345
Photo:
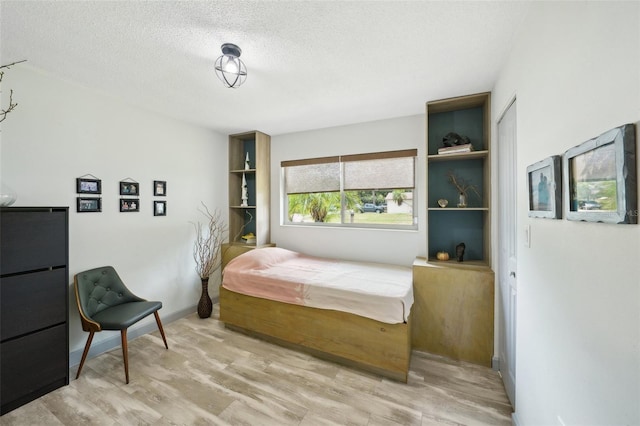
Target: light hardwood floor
211	375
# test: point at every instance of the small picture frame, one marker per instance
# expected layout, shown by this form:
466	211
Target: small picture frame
88	205
129	204
159	208
545	188
129	188
601	178
88	186
160	188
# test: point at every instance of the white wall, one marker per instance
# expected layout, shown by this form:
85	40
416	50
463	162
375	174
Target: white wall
575	70
396	247
61	131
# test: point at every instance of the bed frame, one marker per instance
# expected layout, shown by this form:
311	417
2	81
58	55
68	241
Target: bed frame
349	339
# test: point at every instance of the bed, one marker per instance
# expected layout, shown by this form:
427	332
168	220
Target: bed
355	313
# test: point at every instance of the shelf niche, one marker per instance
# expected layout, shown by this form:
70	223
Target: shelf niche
447	227
255	216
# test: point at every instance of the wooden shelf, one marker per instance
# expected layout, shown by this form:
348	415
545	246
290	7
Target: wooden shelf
254	217
468	116
461	209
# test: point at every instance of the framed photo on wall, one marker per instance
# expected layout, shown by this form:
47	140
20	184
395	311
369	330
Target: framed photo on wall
544	180
601	178
88	205
159	187
88	186
159	208
129	204
129	188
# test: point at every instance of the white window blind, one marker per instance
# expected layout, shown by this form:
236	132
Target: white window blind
383	170
379	170
312	175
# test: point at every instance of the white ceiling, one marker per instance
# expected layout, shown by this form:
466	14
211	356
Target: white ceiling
311	64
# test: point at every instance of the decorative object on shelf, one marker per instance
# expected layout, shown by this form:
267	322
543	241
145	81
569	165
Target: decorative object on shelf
160	188
442	202
229	68
7	195
247	165
206	253
245	192
460	252
12	105
249	238
91	185
129	186
463	187
88	205
456	149
442	255
600	178
129	204
453	139
159	208
462	200
545	188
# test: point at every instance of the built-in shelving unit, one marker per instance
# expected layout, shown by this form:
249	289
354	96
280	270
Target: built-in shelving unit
255	215
468	116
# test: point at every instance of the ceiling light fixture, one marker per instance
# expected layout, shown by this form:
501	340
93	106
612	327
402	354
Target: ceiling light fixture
229	68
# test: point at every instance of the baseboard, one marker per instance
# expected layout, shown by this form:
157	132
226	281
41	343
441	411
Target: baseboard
133	332
495	363
514	419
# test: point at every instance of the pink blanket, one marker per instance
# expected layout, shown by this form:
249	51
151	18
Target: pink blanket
373	290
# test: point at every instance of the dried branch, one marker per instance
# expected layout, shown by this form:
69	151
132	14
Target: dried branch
12	105
462	186
209	239
235	237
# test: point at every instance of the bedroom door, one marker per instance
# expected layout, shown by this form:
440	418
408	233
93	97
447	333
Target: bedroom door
507	277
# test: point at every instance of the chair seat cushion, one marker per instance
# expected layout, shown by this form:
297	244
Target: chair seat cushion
122	316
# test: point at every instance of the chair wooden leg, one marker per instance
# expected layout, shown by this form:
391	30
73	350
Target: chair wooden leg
85	352
125	353
161	329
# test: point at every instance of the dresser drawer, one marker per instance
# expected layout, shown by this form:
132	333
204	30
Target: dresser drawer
32	240
33	365
32	301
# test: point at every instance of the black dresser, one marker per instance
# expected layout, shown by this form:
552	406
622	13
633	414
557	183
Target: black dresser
34	303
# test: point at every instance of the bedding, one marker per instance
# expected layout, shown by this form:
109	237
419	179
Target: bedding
372	290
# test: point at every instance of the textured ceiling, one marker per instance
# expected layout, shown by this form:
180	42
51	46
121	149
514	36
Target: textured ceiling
311	64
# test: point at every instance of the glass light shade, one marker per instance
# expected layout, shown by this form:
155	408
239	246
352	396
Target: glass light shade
229	68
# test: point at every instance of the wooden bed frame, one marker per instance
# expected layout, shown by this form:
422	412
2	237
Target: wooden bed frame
349	339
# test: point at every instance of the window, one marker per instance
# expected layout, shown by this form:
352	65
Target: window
364	190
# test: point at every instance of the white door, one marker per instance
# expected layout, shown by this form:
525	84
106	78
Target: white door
508	290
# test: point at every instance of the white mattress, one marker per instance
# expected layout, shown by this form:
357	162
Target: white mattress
373	290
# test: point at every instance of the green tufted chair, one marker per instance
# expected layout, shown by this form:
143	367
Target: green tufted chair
105	303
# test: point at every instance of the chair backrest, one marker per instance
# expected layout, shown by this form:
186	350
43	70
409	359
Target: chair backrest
101	288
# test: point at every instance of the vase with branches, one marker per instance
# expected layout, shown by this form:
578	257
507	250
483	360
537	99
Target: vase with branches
206	253
463	187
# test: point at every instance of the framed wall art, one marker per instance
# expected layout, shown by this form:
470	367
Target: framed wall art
88	205
159	208
159	187
129	188
88	186
129	204
544	180
601	178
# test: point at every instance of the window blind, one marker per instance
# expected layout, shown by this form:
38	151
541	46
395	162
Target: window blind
312	175
378	170
381	170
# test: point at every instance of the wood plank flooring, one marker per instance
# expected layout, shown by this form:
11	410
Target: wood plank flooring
214	376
